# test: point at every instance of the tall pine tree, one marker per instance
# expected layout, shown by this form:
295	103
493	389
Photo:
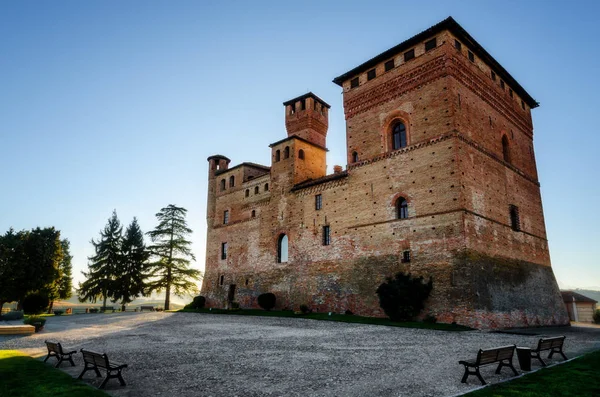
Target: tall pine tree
170	271
105	265
129	282
61	287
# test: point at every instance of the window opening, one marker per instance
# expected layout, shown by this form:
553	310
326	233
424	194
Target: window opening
286	152
247	192
354	82
457	45
277	155
471	57
282	249
266	187
303	104
371	74
222	184
354	157
253	213
431	44
231	181
318	202
326	236
221	279
408	55
493	76
515	222
402	208
389	65
398	136
225	217
256	190
405	256
505	149
223	252
502	84
301	154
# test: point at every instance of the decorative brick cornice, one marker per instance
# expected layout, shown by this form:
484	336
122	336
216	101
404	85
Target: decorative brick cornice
321	187
257	204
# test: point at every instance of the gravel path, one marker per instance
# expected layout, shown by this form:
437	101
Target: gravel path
189	354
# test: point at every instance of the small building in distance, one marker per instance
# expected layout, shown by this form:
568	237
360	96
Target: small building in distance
580	307
441	181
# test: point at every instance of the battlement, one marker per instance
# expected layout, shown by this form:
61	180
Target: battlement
307	117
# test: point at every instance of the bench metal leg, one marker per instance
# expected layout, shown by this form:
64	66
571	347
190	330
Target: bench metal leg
87	368
121	380
509	365
476	373
71	360
559	351
104	382
538	357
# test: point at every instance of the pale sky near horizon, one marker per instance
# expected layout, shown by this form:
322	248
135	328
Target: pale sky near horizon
116	105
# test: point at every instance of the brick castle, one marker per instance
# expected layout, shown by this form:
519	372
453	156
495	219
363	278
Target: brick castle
441	181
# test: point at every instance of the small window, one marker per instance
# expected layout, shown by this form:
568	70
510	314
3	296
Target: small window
471	56
318	202
389	65
253	214
502	84
405	257
282	249
326	236
225	217
522	105
510	92
303	104
277	155
223	253
355	157
398	136
431	44
286	152
371	74
354	82
301	154
408	55
222	184
221	280
292	108
493	76
231	181
505	149
256	190
515	222
401	208
247	281
247	192
266	187
457	45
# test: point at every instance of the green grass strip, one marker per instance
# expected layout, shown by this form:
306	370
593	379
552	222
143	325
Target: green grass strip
573	379
344	318
23	376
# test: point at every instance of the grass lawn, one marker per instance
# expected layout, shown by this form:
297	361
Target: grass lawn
576	378
345	318
23	376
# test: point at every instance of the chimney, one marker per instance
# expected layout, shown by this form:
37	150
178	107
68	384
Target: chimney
337	169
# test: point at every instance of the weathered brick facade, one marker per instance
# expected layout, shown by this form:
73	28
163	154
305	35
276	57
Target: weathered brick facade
466	170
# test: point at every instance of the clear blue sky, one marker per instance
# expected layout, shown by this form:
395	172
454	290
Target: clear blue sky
116	105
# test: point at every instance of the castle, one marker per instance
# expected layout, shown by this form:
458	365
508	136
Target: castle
441	182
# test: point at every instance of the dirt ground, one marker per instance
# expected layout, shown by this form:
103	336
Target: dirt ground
189	354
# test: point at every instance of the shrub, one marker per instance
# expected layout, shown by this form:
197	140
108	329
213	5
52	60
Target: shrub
430	319
235	305
348	312
403	296
94	310
36	321
305	309
58	312
597	316
267	301
35	303
198	303
14	315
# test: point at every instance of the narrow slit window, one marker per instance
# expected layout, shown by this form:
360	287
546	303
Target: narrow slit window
225	217
247	192
471	56
505	149
398	136
266	187
277	155
301	154
493	76
286	152
253	214
282	249
256	190
515	222
221	279
326	235
355	157
231	181
223	253
401	208
303	104
510	92
502	84
318	202
222	184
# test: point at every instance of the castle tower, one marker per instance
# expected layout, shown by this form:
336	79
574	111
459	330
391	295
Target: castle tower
216	163
307	117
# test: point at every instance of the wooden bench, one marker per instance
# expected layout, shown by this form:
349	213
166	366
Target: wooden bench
142	308
554	344
95	360
55	349
502	355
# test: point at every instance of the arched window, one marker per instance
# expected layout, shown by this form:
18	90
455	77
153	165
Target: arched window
256	190
277	155
398	136
505	149
354	157
282	249
222	184
253	213
301	154
247	192
286	152
401	208
266	187
231	181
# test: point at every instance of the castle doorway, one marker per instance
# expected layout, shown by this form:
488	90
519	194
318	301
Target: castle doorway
231	294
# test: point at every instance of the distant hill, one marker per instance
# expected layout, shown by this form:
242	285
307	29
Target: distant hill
595	295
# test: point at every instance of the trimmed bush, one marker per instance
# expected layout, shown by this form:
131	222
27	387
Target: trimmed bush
597	316
235	305
267	301
14	315
35	303
402	298
94	310
348	312
430	319
58	312
36	321
199	302
305	309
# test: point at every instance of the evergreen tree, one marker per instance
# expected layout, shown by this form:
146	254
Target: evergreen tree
171	250
130	280
105	265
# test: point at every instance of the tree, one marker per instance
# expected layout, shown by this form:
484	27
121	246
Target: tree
11	260
170	271
402	297
104	265
62	286
129	282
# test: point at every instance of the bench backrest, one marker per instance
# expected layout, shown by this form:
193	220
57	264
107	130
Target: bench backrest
54	347
489	356
549	343
98	359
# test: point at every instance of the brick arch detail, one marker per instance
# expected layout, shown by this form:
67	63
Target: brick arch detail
386	127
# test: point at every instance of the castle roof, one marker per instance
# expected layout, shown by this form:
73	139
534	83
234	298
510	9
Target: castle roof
300	139
307	95
251	165
453	26
318	181
572	296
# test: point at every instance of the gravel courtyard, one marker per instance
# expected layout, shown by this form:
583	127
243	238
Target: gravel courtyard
189	354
